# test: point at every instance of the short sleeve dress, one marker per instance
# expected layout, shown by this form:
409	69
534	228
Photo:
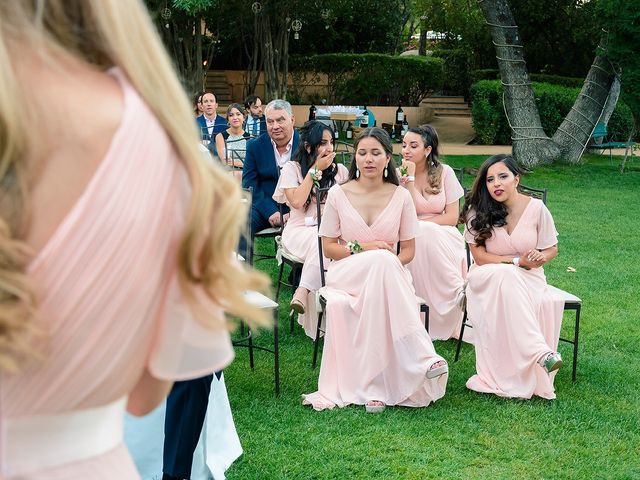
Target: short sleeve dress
110	306
516	317
439	264
375	347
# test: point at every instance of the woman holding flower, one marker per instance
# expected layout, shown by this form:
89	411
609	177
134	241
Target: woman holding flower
376	351
439	262
516	318
313	166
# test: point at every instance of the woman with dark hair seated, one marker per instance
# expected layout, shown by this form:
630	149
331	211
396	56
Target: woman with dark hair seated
438	266
516	319
376	350
313	164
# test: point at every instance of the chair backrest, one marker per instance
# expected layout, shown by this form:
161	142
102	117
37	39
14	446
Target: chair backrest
319	195
600	131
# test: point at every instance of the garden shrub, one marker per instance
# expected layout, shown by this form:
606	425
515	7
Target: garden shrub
374	79
554	102
457	79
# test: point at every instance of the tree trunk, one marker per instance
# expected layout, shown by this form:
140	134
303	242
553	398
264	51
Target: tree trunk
531	145
573	134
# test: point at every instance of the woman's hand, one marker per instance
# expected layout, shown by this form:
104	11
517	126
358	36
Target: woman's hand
409	166
324	159
533	259
377	245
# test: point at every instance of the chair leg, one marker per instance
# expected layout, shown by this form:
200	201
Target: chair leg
426	318
250	341
276	351
464	323
292	321
280	272
576	334
316	342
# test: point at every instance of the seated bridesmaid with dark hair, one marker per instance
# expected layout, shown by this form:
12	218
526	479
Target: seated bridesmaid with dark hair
439	262
376	349
516	319
313	164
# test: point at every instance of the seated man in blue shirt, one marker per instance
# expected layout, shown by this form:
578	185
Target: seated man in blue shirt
255	123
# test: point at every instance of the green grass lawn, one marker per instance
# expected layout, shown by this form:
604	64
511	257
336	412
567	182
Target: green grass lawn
592	429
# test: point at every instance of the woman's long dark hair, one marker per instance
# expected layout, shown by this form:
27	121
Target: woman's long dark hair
434	166
383	138
311	136
488	213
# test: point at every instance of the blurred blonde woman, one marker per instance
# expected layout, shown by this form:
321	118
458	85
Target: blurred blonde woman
116	239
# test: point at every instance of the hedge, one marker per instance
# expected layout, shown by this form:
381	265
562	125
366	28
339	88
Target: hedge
554	102
494	73
374	79
457	80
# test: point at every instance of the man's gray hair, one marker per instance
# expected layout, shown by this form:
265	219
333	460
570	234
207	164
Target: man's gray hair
279	104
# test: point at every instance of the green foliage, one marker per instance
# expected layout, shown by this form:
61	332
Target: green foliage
554	103
456	70
494	73
374	79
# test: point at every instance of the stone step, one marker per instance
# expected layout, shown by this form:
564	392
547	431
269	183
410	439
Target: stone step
442	99
453	114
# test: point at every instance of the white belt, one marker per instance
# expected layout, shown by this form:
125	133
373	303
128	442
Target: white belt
45	441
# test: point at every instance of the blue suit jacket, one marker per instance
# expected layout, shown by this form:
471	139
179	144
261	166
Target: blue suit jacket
262	126
219	125
261	172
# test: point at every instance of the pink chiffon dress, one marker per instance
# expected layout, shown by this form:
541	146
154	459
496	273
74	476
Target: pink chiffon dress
439	265
109	306
516	317
300	237
376	346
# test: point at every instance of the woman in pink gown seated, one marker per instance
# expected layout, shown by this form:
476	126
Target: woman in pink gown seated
516	320
315	158
115	240
376	349
438	265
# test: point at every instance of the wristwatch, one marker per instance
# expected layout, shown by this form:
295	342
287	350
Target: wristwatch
516	261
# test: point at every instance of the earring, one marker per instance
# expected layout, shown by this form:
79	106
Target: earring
386	171
357	173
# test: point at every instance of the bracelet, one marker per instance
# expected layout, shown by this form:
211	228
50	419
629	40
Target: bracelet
410	178
354	247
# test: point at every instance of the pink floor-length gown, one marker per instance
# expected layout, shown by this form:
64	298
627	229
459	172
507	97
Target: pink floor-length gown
110	306
376	346
440	260
516	318
300	237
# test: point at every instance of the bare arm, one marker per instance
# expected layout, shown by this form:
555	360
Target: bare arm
220	148
533	258
407	250
333	250
296	197
147	394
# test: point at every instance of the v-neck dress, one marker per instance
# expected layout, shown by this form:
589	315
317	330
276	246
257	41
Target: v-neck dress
376	346
109	306
516	317
300	237
439	264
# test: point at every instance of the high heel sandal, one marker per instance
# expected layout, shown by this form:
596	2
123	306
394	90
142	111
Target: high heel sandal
435	372
551	362
298	302
374	406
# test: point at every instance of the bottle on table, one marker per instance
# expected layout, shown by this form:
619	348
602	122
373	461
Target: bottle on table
399	114
336	133
312	112
365	118
405	126
349	132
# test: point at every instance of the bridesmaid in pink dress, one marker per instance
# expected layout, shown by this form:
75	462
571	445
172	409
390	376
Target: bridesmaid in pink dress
106	219
438	265
516	319
315	158
376	351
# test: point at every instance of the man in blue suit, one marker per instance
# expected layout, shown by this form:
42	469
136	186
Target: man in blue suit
210	123
266	155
